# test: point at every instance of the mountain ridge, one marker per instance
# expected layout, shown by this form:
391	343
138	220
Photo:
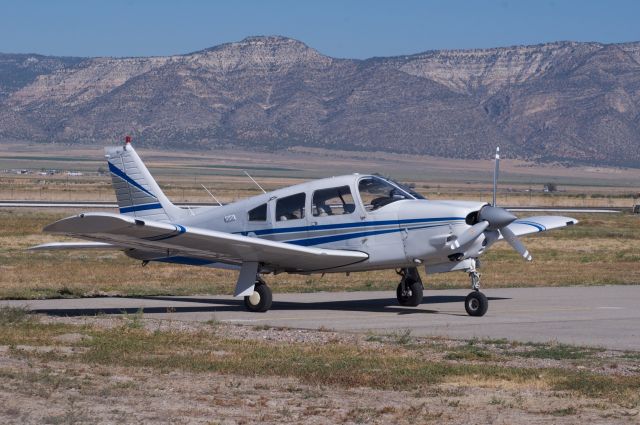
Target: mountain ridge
570	102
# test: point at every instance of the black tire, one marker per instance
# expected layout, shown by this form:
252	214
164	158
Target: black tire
413	297
260	301
476	304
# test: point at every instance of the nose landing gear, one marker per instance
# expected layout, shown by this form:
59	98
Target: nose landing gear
476	303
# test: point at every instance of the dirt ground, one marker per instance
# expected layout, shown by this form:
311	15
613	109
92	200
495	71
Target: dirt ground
38	388
122	395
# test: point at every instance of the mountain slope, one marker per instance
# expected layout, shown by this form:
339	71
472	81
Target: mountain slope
564	101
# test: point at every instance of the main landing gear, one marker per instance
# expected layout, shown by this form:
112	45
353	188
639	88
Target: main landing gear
260	300
409	291
476	302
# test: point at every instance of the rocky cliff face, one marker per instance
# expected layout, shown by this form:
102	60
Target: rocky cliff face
561	101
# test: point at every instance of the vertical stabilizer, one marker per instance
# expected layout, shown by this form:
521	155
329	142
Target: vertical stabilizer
137	192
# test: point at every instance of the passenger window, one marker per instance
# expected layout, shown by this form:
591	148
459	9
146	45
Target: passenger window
291	207
258	213
333	201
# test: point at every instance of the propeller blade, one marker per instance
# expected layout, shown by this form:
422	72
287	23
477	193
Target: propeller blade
496	171
470	234
513	240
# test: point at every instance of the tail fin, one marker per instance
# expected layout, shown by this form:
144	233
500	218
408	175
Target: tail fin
137	192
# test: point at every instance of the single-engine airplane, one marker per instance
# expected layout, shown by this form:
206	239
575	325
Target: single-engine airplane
342	224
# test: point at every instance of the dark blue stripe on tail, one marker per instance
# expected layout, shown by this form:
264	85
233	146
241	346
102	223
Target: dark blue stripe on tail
142	207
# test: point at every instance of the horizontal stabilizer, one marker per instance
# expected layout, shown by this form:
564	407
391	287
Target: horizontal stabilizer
72	245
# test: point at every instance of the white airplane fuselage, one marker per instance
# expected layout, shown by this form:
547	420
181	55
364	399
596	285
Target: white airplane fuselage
404	233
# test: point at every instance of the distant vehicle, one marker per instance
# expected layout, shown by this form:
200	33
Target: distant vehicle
343	224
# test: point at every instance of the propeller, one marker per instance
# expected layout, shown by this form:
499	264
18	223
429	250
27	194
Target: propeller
493	218
469	234
489	217
513	240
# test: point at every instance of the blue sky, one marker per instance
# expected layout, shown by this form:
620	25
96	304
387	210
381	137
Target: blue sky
347	28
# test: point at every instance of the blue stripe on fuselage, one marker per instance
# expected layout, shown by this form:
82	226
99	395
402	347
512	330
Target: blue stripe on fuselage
273	231
345	236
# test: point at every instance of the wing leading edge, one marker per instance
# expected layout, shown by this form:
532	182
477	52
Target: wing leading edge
525	226
173	239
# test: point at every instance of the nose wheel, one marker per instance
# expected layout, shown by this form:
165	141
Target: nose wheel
476	303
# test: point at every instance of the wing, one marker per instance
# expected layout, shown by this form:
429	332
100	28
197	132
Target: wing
176	240
525	226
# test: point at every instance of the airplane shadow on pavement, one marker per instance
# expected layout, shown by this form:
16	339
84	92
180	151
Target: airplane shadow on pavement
213	305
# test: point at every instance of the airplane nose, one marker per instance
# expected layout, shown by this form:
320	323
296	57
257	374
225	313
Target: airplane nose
496	217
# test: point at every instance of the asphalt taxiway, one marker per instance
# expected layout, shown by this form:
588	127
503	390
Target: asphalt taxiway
603	316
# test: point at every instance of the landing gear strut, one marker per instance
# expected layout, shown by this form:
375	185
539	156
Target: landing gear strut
260	300
409	291
476	303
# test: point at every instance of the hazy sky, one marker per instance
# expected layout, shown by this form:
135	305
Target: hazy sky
355	29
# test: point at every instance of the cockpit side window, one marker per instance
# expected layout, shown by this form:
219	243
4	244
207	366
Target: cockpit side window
258	213
333	201
376	193
290	207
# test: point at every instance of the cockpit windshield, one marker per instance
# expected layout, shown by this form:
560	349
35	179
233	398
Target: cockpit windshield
377	192
408	189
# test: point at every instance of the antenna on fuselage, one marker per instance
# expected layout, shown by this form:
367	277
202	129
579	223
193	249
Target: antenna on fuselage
211	194
496	171
249	175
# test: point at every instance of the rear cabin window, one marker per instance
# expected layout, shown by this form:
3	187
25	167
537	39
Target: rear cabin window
258	213
291	207
333	201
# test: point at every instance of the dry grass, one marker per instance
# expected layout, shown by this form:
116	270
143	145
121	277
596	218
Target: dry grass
231	188
122	363
602	249
332	363
182	173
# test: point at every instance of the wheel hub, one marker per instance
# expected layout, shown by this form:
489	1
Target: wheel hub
254	298
474	304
